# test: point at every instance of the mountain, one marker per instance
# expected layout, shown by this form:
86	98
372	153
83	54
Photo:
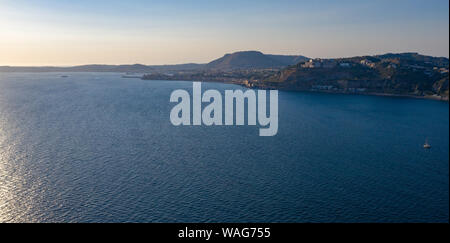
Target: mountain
253	60
136	68
238	60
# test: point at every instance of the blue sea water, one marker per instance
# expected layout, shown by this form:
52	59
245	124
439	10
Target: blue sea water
94	147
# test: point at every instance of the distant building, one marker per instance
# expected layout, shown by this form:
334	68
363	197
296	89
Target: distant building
248	84
368	63
319	63
306	65
322	87
312	63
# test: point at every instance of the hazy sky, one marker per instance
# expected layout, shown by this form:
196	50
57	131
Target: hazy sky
70	32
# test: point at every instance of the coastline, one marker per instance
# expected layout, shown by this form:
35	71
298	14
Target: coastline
240	83
244	84
428	97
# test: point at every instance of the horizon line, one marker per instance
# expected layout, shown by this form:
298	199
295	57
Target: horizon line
194	63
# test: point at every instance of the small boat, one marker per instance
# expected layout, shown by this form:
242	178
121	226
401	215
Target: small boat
64	76
426	145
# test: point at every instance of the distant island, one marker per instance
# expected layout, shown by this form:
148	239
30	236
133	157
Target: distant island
402	74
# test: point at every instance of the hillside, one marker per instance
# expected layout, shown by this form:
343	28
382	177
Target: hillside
399	74
253	60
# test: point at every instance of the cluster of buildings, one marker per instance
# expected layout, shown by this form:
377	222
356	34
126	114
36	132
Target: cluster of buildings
427	70
441	70
323	63
331	63
312	63
334	88
323	87
367	63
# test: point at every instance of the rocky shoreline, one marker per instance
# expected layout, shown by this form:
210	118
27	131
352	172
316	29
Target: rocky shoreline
246	84
287	88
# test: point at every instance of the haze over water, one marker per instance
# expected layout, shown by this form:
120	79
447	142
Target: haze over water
94	147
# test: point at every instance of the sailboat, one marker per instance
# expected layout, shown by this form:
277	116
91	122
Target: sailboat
426	145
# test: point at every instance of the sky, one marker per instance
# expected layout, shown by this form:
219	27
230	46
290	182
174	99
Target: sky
67	32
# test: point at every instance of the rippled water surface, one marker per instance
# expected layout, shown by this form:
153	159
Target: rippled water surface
95	147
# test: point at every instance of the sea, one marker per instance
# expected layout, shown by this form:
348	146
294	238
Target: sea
96	147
